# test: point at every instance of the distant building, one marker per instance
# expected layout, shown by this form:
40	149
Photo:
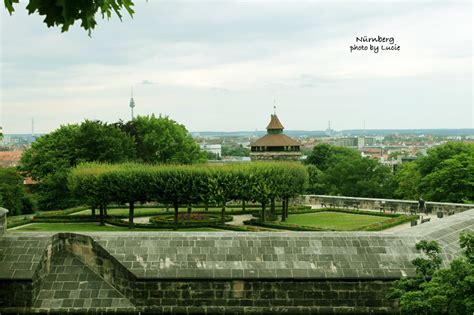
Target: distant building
275	145
215	149
354	142
10	158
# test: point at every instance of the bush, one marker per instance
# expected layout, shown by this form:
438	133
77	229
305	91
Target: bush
193	219
438	291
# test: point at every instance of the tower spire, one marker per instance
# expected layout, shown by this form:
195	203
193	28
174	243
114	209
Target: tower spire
132	101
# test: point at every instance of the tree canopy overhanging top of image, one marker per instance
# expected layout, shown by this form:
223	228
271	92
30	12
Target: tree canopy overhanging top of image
65	13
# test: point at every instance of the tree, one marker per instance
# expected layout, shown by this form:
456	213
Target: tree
12	193
341	171
325	155
162	140
51	157
451	181
65	13
235	151
407	180
446	173
438	291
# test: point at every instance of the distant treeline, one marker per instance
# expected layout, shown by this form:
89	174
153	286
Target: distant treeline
349	132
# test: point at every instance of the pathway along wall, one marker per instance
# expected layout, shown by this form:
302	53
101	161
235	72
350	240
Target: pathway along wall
303	272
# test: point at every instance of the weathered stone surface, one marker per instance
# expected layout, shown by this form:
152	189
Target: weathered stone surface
294	272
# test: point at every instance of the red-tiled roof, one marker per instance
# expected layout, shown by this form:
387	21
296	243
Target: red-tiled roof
10	158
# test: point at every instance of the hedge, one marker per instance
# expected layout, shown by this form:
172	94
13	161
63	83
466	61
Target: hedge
282	226
181	185
211	219
395	219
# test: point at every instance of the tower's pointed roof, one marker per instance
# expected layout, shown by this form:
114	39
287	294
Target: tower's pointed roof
275	123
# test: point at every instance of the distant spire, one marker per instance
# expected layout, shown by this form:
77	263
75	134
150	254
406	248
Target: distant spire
132	101
274	107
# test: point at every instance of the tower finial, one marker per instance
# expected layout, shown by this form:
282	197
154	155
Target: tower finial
274	107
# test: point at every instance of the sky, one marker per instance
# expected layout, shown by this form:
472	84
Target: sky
224	65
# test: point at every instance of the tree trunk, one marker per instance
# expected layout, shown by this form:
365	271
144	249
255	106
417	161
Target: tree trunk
206	206
101	213
131	208
283	205
189	211
264	213
93	211
176	208
167	206
243	205
272	207
287	204
105	210
223	213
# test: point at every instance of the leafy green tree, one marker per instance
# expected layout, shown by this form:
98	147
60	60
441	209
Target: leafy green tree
439	291
407	178
325	155
51	157
452	180
235	150
446	173
12	193
336	170
65	13
162	140
315	180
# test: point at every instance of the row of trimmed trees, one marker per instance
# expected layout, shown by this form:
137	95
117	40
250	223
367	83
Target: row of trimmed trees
99	185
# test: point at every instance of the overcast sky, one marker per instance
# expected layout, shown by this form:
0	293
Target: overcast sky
220	66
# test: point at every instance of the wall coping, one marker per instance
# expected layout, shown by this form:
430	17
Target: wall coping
467	205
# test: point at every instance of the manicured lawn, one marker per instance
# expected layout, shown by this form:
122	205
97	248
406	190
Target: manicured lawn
334	220
90	227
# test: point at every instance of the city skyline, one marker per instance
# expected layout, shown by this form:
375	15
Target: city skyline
220	66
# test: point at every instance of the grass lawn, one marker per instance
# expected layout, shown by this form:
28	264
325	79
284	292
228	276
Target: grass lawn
334	220
91	227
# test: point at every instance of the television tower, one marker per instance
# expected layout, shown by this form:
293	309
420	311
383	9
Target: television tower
132	103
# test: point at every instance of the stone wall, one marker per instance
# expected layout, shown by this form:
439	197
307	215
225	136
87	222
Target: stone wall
376	203
3	220
226	272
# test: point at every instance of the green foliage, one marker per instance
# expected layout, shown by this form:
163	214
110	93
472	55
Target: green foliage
51	157
235	150
341	171
446	173
162	140
102	184
324	155
439	291
12	193
65	13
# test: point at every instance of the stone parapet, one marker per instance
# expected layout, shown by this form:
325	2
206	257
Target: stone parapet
397	205
3	220
196	272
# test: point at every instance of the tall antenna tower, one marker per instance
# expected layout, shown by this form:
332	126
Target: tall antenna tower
33	127
132	102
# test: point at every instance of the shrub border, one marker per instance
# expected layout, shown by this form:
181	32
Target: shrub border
395	219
